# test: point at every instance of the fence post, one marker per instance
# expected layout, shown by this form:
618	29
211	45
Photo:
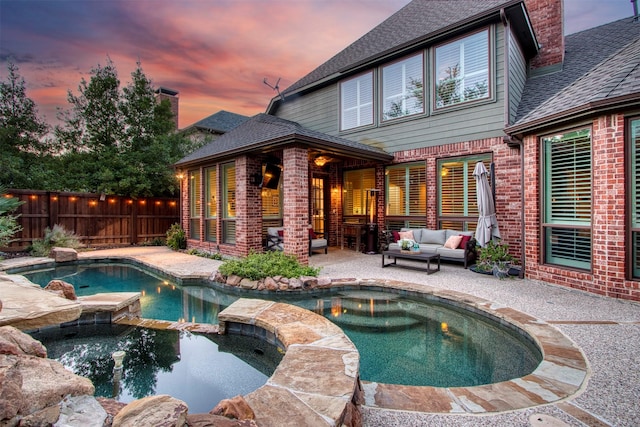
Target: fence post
52	207
134	222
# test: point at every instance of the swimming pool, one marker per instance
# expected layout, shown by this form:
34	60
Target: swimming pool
200	369
401	339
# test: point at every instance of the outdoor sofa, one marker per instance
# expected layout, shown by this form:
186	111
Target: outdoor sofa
442	242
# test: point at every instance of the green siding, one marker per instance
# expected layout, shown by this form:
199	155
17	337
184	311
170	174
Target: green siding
319	111
517	76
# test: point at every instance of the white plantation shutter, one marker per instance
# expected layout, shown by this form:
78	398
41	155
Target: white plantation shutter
458	206
635	196
462	70
568	199
356	101
407	190
402	88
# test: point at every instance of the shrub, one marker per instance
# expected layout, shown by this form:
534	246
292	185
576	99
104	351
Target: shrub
8	223
258	266
493	253
176	237
196	252
57	236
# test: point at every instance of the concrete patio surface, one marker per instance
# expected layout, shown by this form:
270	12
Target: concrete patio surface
606	330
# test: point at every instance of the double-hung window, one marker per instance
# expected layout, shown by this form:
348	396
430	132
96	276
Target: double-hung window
356	101
462	70
194	204
403	88
406	193
229	203
567	199
457	198
211	209
634	200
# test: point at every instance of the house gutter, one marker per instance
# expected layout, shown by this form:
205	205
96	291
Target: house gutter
576	113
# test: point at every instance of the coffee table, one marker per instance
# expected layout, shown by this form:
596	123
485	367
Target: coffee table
423	257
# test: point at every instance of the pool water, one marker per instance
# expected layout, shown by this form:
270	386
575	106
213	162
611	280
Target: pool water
200	370
401	339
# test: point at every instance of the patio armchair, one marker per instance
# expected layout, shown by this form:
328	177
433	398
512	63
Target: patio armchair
275	240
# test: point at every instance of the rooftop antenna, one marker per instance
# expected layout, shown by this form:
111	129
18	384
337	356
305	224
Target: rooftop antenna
276	87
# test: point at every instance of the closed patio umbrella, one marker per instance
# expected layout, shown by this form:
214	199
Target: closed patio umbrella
487	228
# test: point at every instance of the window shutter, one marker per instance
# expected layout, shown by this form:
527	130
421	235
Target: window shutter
568	175
356	182
212	190
568	199
402	88
417	191
356	101
194	192
396	191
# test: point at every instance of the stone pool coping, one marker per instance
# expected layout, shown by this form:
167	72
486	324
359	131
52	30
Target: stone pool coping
562	374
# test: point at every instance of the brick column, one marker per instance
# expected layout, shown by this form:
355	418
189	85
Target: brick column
248	207
296	203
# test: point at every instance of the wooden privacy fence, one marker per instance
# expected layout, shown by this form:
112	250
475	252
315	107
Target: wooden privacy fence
97	220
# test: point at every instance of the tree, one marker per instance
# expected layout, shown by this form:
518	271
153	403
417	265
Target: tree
22	135
119	142
8	223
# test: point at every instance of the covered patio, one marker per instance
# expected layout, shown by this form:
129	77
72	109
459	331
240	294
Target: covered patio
269	172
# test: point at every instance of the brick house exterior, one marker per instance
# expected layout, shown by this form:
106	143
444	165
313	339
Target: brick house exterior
411	150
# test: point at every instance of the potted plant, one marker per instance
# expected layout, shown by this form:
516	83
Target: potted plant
408	245
495	258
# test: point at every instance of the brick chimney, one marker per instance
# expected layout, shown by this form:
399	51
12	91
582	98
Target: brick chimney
547	18
163	93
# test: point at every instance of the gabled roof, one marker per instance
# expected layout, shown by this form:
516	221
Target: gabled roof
418	23
601	70
220	122
263	133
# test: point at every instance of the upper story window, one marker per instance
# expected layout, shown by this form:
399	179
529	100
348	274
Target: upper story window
403	88
462	70
356	102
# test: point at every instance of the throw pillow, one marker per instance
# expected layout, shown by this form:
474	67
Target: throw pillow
280	233
453	242
463	242
396	235
312	234
406	235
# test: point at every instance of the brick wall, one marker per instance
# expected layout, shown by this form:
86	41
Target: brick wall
507	182
547	20
607	276
296	210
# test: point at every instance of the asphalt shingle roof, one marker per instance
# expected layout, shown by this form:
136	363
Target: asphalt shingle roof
419	20
264	130
222	121
600	64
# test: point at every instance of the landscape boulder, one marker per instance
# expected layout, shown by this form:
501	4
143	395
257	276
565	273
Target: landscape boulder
159	411
63	254
62	289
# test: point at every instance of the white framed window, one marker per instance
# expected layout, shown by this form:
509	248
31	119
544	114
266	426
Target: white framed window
403	88
462	70
356	102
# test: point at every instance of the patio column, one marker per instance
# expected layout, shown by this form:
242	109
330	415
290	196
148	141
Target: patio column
296	203
248	207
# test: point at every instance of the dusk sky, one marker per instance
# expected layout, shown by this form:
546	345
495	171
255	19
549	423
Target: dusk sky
215	53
